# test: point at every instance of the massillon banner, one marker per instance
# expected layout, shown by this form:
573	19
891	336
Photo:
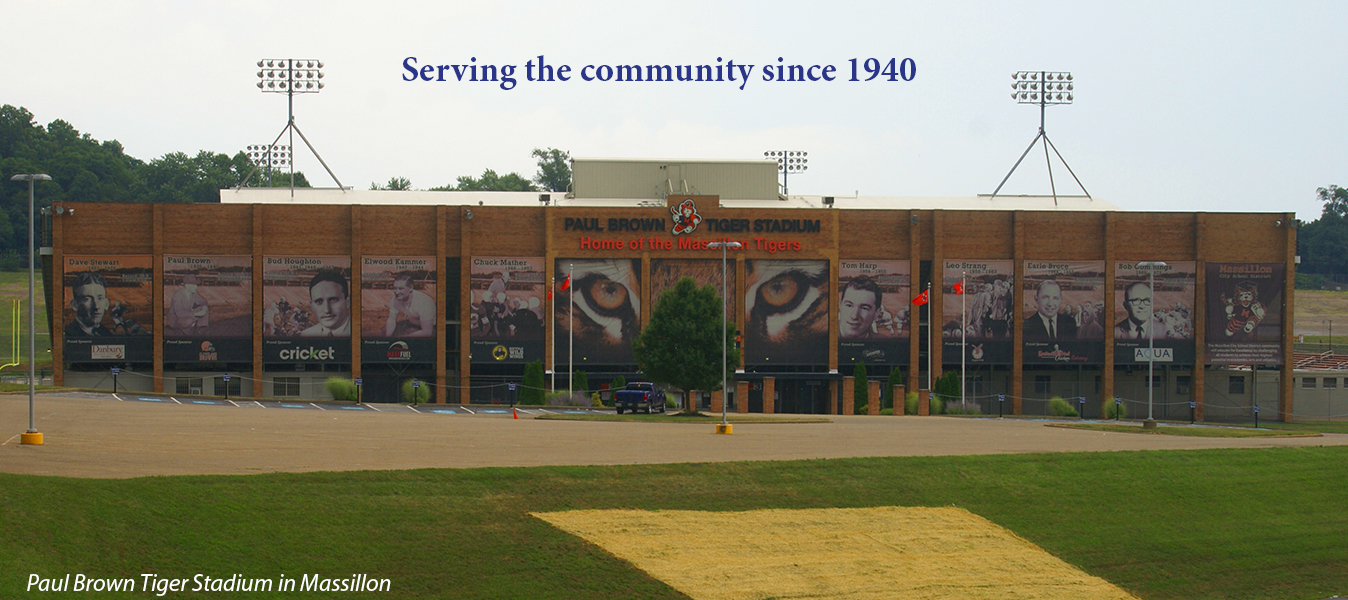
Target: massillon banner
983	312
397	309
508	301
1162	316
1063	308
873	312
1244	318
208	308
108	308
306	309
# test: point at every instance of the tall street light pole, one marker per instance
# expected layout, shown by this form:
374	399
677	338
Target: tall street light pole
32	436
1151	336
725	330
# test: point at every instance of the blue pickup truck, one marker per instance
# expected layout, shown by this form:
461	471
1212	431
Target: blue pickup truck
639	395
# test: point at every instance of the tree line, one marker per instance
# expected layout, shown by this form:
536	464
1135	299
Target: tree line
84	169
1322	244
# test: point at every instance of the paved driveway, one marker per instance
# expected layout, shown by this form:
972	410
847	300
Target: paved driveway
95	435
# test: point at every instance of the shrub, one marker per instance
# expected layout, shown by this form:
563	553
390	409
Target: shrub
910	403
531	392
963	408
595	400
936	406
1061	408
580	381
422	393
859	409
619	383
1119	411
341	389
895	378
670	402
886	411
565	399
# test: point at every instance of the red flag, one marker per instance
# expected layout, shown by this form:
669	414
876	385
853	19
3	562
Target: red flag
549	293
922	298
959	287
566	284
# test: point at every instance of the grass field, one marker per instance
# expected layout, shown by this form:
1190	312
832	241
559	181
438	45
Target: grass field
1180	524
14	286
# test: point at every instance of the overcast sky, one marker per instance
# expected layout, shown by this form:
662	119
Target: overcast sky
1222	106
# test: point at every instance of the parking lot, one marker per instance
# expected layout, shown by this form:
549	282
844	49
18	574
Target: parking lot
130	435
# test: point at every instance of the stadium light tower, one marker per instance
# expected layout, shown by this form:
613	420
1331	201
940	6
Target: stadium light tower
32	436
788	162
1042	88
291	76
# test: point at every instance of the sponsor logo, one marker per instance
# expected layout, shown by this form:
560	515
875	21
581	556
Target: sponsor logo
398	351
499	352
107	352
686	218
977	351
208	353
1162	355
1056	354
873	354
310	353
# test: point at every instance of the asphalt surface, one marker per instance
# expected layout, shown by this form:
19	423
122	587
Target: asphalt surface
131	435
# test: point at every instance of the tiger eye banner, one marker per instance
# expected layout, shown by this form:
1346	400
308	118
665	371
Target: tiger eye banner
208	308
873	316
603	302
786	312
1244	318
109	314
980	318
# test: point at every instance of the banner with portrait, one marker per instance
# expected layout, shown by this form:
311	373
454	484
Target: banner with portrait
1160	317
508	300
604	295
873	305
1244	318
109	308
1063	303
665	272
786	306
208	308
980	318
306	309
397	309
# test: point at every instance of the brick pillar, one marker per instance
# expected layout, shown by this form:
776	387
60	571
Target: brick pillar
924	402
742	397
769	395
873	398
833	397
849	405
716	401
899	396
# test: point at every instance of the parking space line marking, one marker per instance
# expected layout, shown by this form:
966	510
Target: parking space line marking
467	410
174	399
119	398
316	406
414	409
373	408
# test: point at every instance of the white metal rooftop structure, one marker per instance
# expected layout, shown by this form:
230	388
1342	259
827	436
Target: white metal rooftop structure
424	198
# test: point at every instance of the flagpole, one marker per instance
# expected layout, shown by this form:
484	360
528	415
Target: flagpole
552	340
930	325
964	342
571	334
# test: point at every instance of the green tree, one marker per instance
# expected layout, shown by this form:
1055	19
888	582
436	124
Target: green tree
580	381
947	385
860	384
532	391
554	170
895	378
1323	243
490	182
394	183
683	342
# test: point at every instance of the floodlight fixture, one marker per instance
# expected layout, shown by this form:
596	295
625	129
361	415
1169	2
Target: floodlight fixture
290	75
1043	88
269	155
788	161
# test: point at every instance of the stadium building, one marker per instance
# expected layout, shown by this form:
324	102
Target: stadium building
284	289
